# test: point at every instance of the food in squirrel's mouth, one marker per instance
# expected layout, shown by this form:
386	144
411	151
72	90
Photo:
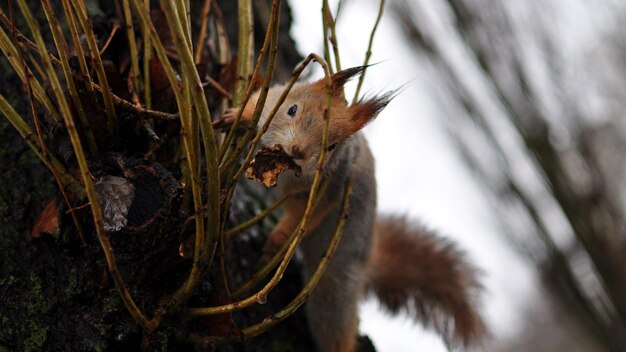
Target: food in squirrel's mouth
268	163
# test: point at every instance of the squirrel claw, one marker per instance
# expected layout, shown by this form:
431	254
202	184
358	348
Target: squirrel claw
227	118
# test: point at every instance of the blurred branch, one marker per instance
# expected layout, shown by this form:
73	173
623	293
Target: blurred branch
597	226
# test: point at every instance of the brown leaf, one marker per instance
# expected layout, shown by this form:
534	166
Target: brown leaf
228	75
221	324
268	163
48	220
162	92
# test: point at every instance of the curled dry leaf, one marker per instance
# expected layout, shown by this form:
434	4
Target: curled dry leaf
268	163
48	220
115	195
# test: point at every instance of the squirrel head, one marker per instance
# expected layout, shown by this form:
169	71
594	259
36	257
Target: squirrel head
298	124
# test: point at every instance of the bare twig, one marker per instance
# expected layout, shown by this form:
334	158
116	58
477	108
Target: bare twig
269	34
61	46
81	12
314	279
368	54
215	84
206	250
116	27
11	53
85	174
245	54
298	233
206	9
258	218
258	276
80	54
147	55
329	25
132	46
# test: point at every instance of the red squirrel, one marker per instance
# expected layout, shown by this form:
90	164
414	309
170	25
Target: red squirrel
405	265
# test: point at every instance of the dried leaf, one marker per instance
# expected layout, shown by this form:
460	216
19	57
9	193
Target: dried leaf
228	74
162	92
115	195
268	163
48	220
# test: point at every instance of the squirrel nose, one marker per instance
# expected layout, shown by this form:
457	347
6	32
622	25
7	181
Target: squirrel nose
296	153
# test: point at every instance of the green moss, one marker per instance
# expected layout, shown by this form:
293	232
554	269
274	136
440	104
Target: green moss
162	340
36	338
6	326
99	346
36	331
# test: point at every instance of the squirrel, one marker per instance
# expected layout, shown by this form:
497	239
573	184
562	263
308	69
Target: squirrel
405	265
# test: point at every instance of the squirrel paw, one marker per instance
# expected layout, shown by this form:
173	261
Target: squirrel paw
227	118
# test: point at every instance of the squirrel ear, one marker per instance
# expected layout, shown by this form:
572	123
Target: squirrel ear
358	115
339	79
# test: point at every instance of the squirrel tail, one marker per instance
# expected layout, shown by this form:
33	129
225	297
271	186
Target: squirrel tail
415	270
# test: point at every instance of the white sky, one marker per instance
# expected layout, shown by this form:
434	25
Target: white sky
419	172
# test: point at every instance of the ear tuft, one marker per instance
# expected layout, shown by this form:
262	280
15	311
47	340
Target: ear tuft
340	78
355	117
366	109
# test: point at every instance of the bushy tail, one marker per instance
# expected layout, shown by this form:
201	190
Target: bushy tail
415	270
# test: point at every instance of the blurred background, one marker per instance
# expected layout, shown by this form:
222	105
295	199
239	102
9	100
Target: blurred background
508	137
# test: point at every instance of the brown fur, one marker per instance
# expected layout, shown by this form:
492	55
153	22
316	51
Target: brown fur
412	269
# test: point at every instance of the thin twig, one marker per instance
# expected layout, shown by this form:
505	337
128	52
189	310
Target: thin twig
245	53
60	175
147	55
116	27
174	301
258	276
222	49
329	24
80	54
11	53
61	45
206	9
271	29
132	46
31	140
215	84
207	250
132	109
258	218
27	84
299	231
85	174
368	54
83	18
257	329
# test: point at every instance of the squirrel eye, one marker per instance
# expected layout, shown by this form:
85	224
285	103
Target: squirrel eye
292	110
331	147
